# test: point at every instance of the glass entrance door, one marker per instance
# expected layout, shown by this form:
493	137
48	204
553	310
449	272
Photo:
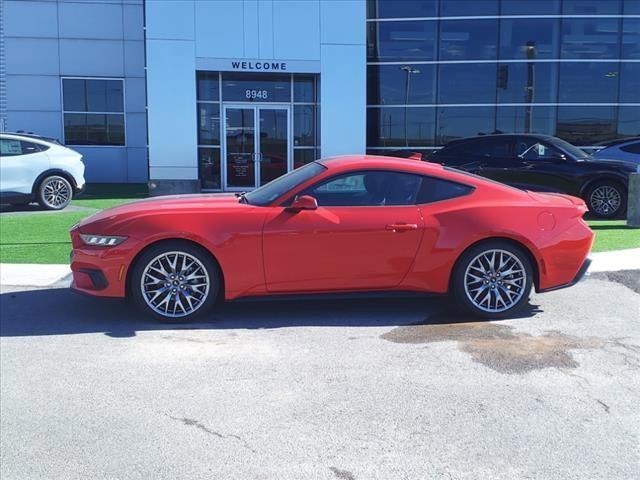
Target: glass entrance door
257	146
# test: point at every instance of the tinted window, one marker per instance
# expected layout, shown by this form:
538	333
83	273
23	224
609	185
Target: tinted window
90	95
304	125
530	7
369	188
587	125
10	147
93	129
631	7
208	86
401	8
628	122
304	88
496	148
595	82
631	148
630	83
527	82
590	37
529	38
468	39
435	190
467	83
459	122
302	156
451	8
401	40
209	168
590	7
400	84
281	185
208	124
398	127
526	119
466	148
631	38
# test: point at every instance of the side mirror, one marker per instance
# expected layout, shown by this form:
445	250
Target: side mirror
558	158
303	202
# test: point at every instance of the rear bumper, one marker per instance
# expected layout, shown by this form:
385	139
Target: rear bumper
579	276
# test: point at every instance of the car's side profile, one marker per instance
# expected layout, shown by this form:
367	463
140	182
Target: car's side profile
348	224
626	149
33	168
543	163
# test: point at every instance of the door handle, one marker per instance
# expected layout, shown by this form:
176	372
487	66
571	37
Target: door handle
401	227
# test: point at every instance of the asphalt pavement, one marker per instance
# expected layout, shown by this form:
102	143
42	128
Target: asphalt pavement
357	389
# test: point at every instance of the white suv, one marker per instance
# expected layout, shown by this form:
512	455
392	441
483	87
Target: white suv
38	169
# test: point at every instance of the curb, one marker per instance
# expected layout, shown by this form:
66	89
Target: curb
41	275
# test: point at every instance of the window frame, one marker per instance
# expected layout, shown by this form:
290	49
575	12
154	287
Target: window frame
471	188
123	112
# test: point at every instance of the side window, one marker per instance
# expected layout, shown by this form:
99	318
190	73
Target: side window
532	150
370	188
496	148
436	189
631	148
10	148
28	147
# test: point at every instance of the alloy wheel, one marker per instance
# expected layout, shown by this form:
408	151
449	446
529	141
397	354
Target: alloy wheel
56	192
605	200
495	281
175	284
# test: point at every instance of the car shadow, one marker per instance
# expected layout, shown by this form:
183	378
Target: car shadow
59	311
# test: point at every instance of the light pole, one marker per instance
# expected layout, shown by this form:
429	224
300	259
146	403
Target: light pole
529	90
409	70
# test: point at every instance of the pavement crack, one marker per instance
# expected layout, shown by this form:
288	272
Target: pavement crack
201	426
604	405
342	474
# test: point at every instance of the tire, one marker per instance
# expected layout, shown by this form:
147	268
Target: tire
176	299
606	199
469	284
54	193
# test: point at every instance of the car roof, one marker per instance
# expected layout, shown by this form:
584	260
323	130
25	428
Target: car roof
498	135
620	141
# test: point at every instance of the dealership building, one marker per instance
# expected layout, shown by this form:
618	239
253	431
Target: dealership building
229	94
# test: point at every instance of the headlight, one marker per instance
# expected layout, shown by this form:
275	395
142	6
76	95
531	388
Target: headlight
102	240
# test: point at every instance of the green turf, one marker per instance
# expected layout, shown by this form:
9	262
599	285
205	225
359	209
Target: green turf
44	237
614	235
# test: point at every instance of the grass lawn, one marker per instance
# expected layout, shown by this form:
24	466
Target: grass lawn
44	238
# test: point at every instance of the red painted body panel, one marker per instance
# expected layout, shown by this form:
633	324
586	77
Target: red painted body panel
266	250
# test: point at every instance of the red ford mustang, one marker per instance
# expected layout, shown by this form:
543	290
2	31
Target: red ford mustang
344	224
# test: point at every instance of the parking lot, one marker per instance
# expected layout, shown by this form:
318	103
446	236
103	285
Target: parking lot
354	389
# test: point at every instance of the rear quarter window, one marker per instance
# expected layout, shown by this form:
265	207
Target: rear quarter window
437	189
631	148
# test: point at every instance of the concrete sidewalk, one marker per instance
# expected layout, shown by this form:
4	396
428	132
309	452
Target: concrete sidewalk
40	275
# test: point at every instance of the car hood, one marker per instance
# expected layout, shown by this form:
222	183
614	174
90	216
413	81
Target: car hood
608	163
168	203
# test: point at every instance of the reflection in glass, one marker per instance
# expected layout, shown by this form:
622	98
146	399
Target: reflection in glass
273	143
631	38
529	38
629	121
454	8
526	119
302	156
256	87
401	8
92	95
401	40
586	125
240	136
590	37
400	126
631	7
467	83
303	88
94	129
468	39
595	82
209	168
529	7
208	124
630	83
400	84
459	122
304	125
527	82
590	7
208	86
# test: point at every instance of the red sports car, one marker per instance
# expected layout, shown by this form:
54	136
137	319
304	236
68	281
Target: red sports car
344	224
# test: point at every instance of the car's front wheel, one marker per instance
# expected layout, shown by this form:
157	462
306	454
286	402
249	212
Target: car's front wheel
54	193
175	281
492	279
606	199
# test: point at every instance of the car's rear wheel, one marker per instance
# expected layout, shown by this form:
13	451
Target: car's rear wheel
175	281
54	193
606	199
492	279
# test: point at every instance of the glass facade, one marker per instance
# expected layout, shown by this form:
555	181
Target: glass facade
438	70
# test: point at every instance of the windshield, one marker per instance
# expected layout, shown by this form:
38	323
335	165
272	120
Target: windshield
281	185
571	149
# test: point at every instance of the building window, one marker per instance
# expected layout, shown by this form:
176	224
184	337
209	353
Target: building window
93	110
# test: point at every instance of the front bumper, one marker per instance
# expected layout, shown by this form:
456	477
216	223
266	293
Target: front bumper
579	276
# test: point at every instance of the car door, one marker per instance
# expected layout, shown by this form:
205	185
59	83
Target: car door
498	159
20	164
364	235
543	167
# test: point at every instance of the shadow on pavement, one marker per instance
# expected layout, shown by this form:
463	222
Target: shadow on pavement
59	311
